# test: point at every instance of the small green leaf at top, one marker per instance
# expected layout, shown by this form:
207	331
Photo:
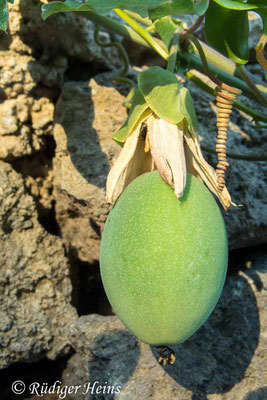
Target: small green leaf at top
138	108
150	8
166	27
241	4
160	89
4	14
188	109
228	32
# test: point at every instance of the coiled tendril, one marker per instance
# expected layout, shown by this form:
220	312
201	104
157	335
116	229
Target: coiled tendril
226	95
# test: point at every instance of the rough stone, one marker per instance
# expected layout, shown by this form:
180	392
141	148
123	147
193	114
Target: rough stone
35	285
246	225
35	56
65	33
16	134
255	29
87	114
224	360
25	120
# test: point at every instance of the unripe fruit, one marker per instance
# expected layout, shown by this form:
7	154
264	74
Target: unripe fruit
163	260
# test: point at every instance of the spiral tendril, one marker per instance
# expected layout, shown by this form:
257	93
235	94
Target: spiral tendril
226	95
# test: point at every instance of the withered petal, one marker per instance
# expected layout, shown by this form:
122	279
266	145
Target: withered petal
167	149
131	162
197	166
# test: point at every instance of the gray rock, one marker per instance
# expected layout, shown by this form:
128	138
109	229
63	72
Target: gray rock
223	360
87	114
66	33
246	225
30	83
25	120
35	285
255	29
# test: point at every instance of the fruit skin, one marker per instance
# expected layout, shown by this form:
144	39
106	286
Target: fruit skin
163	260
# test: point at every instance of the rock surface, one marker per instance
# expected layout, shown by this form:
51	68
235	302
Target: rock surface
223	360
35	285
87	115
246	225
36	57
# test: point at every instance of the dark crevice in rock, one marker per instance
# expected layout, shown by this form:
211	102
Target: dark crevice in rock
82	71
244	259
89	296
42	372
36	171
47	219
41	90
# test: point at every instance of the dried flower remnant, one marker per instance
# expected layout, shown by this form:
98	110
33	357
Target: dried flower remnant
156	136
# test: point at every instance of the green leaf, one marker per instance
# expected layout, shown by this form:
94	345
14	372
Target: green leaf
160	88
228	31
58	6
153	8
166	27
178	7
188	109
241	4
137	110
3	15
201	6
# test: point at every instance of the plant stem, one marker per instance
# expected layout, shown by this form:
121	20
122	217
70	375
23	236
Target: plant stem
206	85
143	33
173	52
138	18
196	25
260	50
195	62
114	26
245	157
150	28
218	64
206	68
241	69
118	46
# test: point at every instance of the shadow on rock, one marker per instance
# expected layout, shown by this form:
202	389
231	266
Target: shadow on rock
259	394
216	357
75	114
115	356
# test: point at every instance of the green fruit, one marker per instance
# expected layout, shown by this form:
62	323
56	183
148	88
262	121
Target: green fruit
163	261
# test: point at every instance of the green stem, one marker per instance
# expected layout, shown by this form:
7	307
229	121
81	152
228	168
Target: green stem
260	50
127	101
191	75
217	62
195	62
173	52
219	65
150	28
118	46
245	157
114	26
138	18
196	25
143	33
241	69
202	55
